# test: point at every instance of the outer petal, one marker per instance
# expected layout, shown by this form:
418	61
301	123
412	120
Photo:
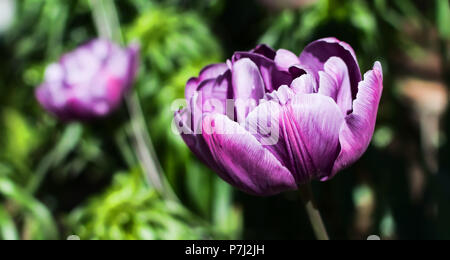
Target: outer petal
213	71
215	92
248	87
311	126
308	135
316	54
335	83
209	72
195	142
246	163
357	132
211	97
191	87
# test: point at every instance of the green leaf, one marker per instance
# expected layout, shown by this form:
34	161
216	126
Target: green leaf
198	183
68	142
8	230
19	138
443	17
37	210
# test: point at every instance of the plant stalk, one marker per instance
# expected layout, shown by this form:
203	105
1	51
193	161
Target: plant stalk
313	213
107	23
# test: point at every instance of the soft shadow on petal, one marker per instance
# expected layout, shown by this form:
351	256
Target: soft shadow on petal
335	83
306	139
304	84
195	142
248	87
209	72
317	53
264	50
357	132
311	126
215	92
273	77
283	95
247	164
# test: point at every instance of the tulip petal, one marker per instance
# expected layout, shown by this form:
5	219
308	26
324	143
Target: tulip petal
195	142
299	70
308	135
247	164
304	84
316	54
335	83
191	87
357	132
213	71
283	95
214	93
209	72
286	59
265	51
273	77
248	87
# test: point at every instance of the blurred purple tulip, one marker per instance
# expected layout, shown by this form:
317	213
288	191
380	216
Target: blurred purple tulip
323	112
89	82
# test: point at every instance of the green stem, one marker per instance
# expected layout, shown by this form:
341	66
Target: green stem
313	213
40	174
144	146
107	23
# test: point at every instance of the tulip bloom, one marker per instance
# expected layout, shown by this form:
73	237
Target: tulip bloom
321	110
88	82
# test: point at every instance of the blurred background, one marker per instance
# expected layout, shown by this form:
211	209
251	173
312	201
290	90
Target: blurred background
59	179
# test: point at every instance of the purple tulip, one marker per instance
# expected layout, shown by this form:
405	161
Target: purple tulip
88	82
323	112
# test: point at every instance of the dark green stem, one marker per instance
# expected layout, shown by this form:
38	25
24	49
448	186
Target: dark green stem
313	213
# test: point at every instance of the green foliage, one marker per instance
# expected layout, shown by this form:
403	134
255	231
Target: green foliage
171	41
443	18
129	210
37	218
18	138
8	230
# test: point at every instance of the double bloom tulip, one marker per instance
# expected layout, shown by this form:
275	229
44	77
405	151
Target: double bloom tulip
268	121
